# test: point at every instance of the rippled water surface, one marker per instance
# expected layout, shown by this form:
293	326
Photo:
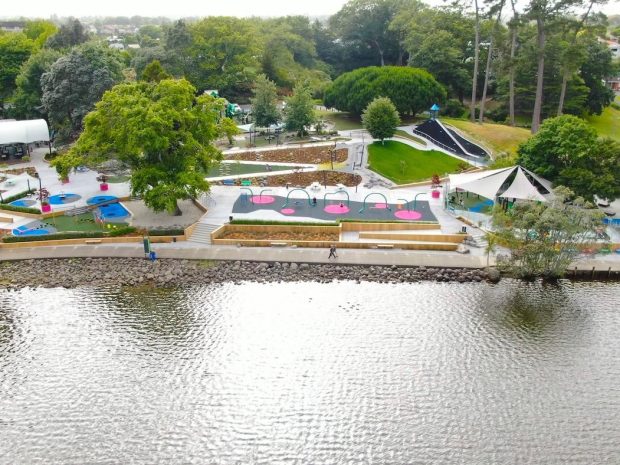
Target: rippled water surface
308	373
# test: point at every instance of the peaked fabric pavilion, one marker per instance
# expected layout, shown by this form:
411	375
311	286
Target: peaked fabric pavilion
492	184
23	132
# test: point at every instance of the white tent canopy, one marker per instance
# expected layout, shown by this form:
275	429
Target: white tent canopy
23	132
523	184
246	127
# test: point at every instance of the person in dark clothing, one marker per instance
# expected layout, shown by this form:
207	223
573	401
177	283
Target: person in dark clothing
314	201
332	252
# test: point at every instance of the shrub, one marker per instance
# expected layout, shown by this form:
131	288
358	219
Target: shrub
500	114
453	108
72	235
166	232
615	106
13	208
21	195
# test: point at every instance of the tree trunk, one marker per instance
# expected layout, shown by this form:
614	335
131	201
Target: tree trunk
567	70
487	70
177	210
511	81
486	82
563	91
540	26
474	83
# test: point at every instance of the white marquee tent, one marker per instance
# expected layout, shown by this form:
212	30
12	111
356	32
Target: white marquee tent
24	132
514	182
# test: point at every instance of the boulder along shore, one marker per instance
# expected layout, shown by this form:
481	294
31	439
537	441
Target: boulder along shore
77	272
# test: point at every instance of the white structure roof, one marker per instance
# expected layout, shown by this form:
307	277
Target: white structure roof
24	132
490	184
246	127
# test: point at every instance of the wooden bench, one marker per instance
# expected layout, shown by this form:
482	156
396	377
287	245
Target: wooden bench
92	241
5	219
385	246
279	244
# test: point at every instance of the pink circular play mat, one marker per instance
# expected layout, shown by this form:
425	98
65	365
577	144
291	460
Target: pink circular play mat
336	209
408	215
287	211
262	199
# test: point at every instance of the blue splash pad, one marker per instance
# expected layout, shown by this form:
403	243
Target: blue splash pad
23	231
100	199
479	206
23	203
112	211
61	199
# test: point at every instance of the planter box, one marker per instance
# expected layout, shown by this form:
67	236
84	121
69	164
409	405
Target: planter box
103	186
435	194
46	208
65	181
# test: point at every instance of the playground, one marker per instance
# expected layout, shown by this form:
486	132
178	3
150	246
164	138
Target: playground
331	206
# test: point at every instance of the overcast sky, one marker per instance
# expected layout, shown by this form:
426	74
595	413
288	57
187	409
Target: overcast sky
183	8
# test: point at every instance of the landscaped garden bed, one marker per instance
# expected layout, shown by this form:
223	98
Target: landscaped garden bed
306	178
281	235
309	155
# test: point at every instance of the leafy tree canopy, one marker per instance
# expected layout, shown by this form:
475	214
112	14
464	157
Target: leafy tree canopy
411	90
567	151
39	31
76	81
162	131
154	72
15	48
70	34
299	110
264	102
381	118
27	97
545	237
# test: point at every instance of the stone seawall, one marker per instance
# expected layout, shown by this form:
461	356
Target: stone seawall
76	272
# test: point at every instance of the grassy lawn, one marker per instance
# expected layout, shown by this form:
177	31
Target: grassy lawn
83	222
403	164
341	121
607	123
406	135
497	137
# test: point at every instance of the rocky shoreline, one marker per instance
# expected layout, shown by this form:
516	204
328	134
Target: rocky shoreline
78	272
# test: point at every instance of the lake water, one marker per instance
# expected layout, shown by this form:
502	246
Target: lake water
308	373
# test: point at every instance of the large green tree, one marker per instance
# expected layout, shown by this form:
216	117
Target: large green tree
39	31
265	102
299	111
410	89
381	118
70	34
15	48
567	151
545	237
224	55
162	131
75	82
27	97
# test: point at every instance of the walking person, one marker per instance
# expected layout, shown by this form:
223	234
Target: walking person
332	252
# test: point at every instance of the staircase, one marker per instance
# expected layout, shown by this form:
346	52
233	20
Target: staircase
202	233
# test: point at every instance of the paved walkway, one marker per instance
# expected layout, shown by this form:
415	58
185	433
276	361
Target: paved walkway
182	250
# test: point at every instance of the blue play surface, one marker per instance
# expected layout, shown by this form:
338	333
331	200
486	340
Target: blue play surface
479	206
28	231
61	199
112	212
22	203
100	199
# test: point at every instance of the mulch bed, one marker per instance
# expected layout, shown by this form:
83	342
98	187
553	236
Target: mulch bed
282	236
310	155
305	179
31	170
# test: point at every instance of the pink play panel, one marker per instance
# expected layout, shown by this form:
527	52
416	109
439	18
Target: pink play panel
381	205
287	211
408	215
262	199
336	209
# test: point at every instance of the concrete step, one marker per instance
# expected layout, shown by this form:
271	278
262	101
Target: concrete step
202	233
